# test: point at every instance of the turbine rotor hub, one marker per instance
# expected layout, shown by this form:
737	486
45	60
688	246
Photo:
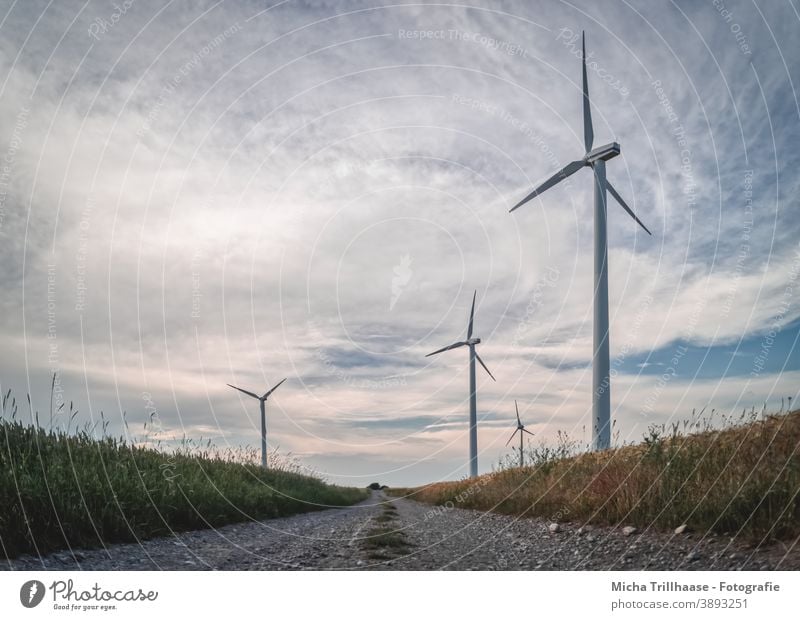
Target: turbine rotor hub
473	341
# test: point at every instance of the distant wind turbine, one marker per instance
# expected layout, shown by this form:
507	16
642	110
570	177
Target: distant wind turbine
595	159
262	401
521	430
473	401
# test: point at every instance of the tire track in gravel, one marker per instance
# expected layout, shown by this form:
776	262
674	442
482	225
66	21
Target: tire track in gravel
419	537
456	539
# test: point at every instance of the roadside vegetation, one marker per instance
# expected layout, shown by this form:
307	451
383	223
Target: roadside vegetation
384	540
62	488
742	479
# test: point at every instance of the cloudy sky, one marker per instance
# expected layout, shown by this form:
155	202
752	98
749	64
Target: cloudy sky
201	193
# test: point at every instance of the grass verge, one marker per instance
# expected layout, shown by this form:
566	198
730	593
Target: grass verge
384	541
742	480
67	490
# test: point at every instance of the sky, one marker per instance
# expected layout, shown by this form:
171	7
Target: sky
201	193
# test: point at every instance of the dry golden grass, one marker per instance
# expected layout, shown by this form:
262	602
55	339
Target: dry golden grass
741	480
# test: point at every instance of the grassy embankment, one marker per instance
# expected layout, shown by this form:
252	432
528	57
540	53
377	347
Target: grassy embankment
62	489
743	479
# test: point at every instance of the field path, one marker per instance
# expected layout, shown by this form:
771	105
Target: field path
419	537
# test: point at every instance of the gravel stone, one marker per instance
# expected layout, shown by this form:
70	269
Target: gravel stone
453	539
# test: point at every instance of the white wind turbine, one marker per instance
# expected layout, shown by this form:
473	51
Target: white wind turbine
262	402
596	160
521	430
473	404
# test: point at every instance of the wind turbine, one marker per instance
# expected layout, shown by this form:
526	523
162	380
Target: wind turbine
521	430
596	160
262	401
473	401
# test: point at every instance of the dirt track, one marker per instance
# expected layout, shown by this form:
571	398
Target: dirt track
421	537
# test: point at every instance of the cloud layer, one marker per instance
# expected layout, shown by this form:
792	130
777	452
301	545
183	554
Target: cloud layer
196	194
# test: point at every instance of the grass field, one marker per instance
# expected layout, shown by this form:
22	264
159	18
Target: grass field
742	480
70	489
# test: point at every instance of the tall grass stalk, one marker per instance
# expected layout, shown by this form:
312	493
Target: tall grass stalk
66	489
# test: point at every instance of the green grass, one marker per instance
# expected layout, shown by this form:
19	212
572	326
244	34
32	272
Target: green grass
385	518
382	538
63	489
740	480
384	541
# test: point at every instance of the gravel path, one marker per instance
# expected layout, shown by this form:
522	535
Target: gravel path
421	537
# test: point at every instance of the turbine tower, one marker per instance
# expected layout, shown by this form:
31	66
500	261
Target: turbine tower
473	401
596	160
262	401
521	430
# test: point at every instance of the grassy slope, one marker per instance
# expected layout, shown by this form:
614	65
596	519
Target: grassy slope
743	480
59	490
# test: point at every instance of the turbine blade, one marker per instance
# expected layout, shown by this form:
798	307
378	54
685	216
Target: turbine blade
273	389
471	316
525	430
517	408
256	396
559	176
478	357
455	345
588	130
626	207
512	437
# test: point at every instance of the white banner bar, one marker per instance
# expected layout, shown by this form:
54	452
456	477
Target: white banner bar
397	595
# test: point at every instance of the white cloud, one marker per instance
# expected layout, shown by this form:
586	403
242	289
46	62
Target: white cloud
273	189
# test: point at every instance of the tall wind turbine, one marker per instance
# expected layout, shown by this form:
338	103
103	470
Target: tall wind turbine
521	430
262	401
596	160
473	401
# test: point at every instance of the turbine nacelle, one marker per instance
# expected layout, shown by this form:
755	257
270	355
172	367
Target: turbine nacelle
473	341
604	153
592	156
